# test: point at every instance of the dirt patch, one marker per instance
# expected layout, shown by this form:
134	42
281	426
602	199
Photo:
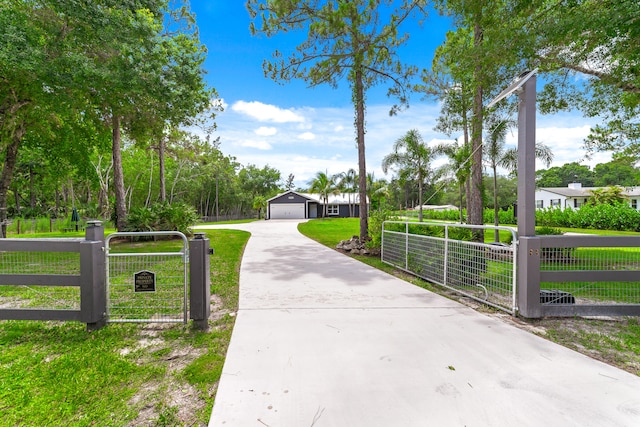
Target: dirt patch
612	340
170	400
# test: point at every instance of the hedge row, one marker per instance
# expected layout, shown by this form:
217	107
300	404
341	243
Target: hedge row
620	217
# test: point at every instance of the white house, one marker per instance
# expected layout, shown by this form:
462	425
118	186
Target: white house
575	195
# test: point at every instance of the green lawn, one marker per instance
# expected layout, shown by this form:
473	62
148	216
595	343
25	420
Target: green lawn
330	231
54	373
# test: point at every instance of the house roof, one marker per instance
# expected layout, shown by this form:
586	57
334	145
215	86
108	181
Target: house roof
570	192
586	191
333	199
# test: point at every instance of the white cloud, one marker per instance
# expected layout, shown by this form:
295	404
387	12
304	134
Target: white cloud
267	113
331	146
218	103
265	131
307	136
260	145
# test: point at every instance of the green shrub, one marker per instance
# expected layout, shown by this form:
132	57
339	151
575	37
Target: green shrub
162	217
618	216
548	231
426	230
505	216
375	226
141	219
459	233
452	215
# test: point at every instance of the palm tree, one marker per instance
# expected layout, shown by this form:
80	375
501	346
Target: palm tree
377	190
259	203
411	155
324	185
348	183
508	159
459	165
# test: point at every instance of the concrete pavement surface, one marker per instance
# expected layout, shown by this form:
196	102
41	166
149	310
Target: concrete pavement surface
324	340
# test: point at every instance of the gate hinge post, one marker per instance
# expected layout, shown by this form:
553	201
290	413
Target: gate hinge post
200	282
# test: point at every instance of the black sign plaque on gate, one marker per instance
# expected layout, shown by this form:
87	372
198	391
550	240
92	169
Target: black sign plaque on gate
144	281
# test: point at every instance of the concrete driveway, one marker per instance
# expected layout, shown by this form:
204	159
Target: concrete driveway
323	340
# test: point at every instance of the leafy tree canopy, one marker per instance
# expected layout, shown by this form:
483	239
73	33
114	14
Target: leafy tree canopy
562	176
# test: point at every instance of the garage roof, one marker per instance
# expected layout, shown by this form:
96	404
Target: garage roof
334	199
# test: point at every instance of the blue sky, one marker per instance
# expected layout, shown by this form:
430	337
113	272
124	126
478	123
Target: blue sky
302	130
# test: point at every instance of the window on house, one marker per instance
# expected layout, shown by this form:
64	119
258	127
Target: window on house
555	202
634	204
333	210
539	204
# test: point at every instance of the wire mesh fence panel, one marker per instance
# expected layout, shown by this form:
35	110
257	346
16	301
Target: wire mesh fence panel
146	286
40	297
21	262
597	259
484	272
28	295
426	257
394	249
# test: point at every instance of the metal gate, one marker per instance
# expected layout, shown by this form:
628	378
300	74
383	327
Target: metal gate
439	253
143	285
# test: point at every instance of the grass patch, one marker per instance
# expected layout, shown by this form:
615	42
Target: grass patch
58	374
55	373
616	342
330	231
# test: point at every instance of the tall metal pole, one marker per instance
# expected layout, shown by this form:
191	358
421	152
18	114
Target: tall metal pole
529	246
527	159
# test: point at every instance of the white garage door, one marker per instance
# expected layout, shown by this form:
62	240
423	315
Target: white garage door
287	211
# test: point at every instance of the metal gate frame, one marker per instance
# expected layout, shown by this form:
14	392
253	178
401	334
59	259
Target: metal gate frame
453	263
184	254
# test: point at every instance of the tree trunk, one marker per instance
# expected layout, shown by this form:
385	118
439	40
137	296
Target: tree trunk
32	189
461	189
467	182
150	186
10	159
362	167
420	197
475	204
16	197
217	204
57	202
118	175
163	184
496	213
